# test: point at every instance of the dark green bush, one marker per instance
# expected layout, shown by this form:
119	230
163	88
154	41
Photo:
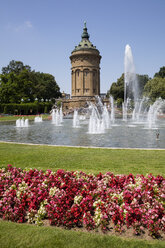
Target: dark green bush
26	108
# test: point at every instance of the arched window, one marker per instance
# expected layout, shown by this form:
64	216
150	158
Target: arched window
86	80
77	73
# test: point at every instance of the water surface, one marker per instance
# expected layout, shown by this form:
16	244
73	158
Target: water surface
121	135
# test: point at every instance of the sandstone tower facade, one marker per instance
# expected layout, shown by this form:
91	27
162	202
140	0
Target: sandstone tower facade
85	71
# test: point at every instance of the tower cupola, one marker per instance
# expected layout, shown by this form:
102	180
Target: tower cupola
85	34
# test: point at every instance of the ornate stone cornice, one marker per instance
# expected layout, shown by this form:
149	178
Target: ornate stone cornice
82	68
82	57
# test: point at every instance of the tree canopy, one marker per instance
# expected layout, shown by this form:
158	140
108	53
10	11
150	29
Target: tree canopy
19	83
155	88
161	73
15	66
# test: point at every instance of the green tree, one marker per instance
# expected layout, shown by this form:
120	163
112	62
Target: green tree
15	66
117	88
18	83
155	88
5	89
16	87
161	73
46	87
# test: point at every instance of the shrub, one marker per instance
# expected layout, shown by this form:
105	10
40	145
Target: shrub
26	108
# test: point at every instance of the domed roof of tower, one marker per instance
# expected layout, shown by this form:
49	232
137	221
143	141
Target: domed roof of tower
85	42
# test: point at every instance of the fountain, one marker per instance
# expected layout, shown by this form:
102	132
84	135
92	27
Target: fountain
136	114
38	119
22	123
76	120
106	117
125	106
96	124
96	130
112	110
97	121
57	116
61	115
153	111
143	112
82	117
131	91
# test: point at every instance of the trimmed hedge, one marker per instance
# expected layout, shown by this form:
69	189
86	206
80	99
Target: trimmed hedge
26	108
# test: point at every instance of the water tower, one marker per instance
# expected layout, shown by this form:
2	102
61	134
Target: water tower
85	60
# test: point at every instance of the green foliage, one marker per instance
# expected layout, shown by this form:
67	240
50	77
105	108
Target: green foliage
16	67
119	102
5	111
161	73
19	84
155	88
26	108
59	104
117	88
142	80
46	109
46	88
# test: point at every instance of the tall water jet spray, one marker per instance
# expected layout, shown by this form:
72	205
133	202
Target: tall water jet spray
131	90
76	122
105	117
99	104
112	109
125	105
96	123
61	115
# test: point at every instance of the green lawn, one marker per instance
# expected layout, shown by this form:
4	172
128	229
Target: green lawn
23	235
89	160
15	117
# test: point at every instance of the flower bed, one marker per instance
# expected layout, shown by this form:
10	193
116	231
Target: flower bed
75	199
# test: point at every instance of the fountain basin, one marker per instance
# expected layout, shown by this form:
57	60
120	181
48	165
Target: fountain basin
121	135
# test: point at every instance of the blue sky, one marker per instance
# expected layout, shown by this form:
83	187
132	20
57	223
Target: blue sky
42	34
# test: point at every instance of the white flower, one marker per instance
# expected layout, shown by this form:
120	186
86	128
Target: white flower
13	186
97	217
53	191
96	203
45	183
78	199
21	188
125	212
